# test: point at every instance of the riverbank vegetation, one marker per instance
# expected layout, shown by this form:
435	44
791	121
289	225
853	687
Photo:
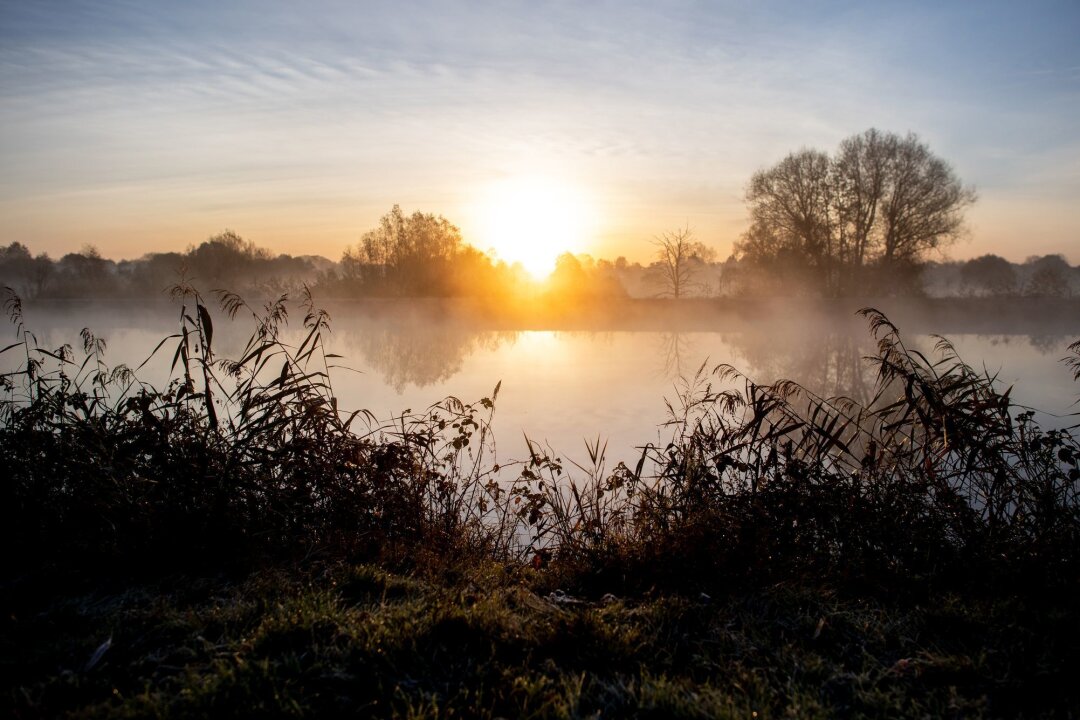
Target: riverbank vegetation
236	542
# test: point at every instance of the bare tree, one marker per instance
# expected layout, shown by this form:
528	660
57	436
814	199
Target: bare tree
924	203
792	201
678	258
881	200
859	173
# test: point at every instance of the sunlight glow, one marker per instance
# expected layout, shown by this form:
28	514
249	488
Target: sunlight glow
532	220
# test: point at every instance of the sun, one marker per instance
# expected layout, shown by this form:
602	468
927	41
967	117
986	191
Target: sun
532	220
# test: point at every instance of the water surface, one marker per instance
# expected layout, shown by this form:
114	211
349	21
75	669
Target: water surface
610	378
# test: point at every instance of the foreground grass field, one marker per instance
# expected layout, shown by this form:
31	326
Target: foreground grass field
355	640
237	544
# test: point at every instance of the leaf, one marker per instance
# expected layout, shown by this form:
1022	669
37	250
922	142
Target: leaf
208	325
154	351
640	463
98	654
53	355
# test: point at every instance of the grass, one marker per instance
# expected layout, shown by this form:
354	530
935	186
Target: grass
357	640
237	543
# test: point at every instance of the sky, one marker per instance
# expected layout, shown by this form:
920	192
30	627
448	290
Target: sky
141	126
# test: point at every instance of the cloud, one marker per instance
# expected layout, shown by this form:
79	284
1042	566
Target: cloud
670	101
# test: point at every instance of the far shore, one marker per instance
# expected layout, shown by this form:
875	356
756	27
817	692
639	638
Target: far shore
919	315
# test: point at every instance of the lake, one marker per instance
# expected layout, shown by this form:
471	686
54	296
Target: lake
607	372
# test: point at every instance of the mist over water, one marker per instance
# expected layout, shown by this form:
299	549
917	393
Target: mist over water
605	375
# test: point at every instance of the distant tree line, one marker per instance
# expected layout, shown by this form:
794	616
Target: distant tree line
228	261
860	222
419	255
1048	276
223	261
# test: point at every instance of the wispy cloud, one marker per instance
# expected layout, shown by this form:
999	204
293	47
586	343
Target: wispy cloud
672	102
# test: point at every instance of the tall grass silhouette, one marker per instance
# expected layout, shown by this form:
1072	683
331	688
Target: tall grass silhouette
940	478
940	475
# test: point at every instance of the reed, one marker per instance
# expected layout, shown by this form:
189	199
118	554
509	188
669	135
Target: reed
939	478
234	458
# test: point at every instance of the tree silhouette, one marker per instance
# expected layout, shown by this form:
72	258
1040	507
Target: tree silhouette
881	200
19	269
989	275
405	255
1048	276
679	257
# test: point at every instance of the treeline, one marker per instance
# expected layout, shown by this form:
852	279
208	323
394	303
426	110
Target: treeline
1048	276
223	261
228	261
420	255
865	221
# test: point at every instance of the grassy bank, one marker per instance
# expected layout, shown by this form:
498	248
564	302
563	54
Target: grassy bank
356	640
237	543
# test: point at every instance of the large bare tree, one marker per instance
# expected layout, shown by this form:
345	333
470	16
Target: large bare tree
860	171
882	200
791	208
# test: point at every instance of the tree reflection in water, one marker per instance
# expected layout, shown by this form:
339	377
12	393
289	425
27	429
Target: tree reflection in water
423	354
830	364
1047	344
1044	343
674	349
823	351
